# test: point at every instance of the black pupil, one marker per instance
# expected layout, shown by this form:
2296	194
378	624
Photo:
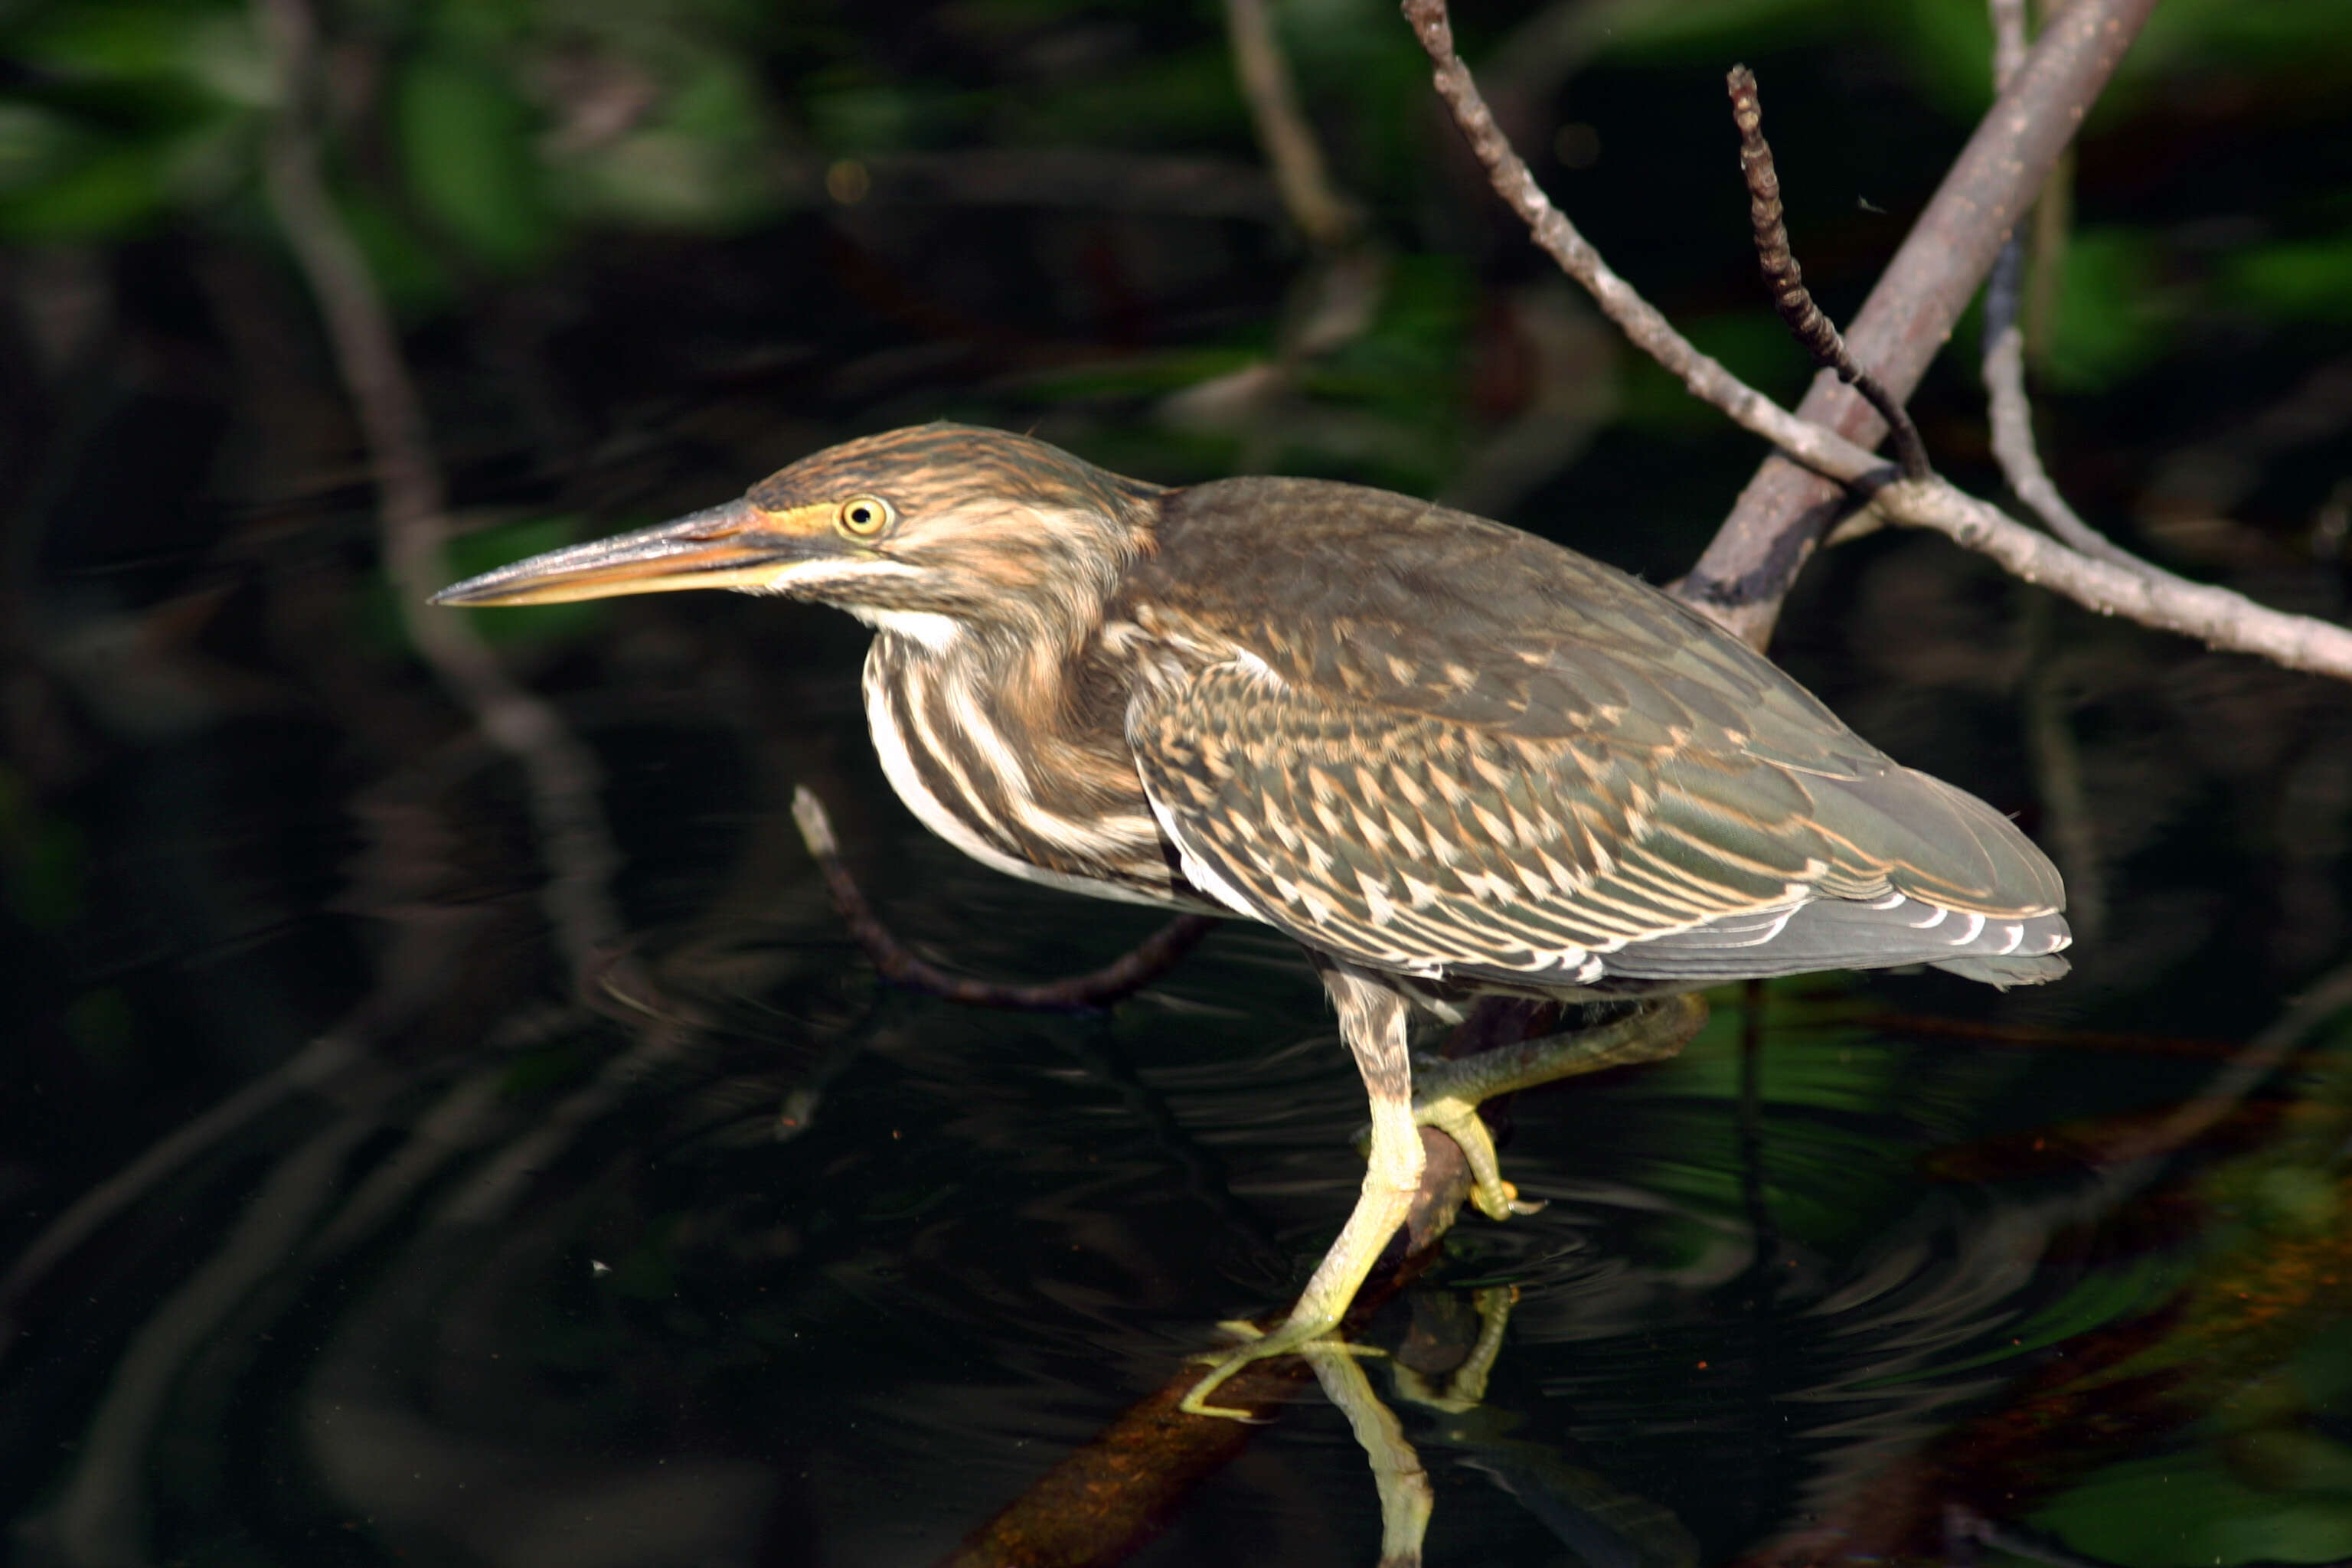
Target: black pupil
861	516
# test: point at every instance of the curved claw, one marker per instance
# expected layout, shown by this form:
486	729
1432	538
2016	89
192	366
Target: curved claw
1501	1199
1191	1406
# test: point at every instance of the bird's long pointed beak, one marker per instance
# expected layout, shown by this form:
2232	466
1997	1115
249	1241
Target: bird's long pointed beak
737	545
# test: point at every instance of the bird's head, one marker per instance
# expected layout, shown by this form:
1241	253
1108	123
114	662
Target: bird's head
924	530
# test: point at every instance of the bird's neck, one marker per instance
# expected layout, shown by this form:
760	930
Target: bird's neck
1014	752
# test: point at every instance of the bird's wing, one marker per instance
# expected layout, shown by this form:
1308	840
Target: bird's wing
1364	595
1422	844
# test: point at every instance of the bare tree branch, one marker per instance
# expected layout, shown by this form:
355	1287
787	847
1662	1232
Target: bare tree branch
1781	514
2215	616
2221	619
563	776
2010	38
2005	351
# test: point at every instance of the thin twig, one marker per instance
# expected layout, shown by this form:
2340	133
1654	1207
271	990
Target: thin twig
562	776
1326	217
2004	356
2021	463
1121	978
2070	827
2215	616
1780	515
1786	279
1704	377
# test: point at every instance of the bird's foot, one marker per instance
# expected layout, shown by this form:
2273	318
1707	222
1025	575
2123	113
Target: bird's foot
1257	1345
1457	1117
1446	1094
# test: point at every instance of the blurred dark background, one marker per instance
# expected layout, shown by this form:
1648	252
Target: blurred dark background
347	1227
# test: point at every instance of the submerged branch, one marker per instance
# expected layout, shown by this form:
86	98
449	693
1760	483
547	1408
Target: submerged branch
1114	982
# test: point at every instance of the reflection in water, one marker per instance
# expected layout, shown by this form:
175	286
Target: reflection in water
762	1261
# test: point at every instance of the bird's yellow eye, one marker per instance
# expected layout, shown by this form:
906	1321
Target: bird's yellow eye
865	517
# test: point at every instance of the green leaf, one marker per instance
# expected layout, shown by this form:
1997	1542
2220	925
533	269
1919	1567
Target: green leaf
1705	30
108	193
465	146
101	42
2298	279
35	144
411	278
2184	1510
2205	35
1949	46
2114	316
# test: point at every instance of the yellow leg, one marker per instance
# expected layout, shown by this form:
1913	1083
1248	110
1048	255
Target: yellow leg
1372	1022
1398	1475
1372	1019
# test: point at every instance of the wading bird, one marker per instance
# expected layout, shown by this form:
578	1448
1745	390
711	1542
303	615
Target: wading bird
1446	756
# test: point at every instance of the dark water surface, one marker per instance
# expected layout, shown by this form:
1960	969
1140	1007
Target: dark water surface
772	1263
343	1225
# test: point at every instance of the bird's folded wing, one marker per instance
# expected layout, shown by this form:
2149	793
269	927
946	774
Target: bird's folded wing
1418	843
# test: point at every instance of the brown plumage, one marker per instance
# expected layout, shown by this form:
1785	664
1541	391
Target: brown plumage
1441	754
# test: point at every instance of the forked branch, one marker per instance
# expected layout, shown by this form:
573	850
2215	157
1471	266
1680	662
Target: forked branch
2217	616
1910	313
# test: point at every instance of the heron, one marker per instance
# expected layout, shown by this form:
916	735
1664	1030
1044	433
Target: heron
1447	757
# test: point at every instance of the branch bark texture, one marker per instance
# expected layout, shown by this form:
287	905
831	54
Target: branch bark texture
2217	617
1786	279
